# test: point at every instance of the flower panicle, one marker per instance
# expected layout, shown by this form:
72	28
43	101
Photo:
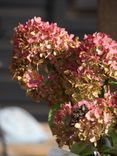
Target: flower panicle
79	76
85	121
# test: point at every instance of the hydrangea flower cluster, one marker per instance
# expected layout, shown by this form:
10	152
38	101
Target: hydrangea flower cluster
87	120
37	48
76	78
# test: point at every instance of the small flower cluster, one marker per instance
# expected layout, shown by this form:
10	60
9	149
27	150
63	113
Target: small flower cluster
41	39
85	121
102	50
96	59
77	75
37	48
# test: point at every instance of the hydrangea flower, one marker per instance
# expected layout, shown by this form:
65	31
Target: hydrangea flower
38	49
40	39
85	121
99	49
77	78
94	66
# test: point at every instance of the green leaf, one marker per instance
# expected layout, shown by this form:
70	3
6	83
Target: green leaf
112	83
109	150
82	149
51	113
106	145
105	141
113	136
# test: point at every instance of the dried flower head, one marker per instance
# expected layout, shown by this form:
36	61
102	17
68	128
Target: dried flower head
78	77
85	121
38	49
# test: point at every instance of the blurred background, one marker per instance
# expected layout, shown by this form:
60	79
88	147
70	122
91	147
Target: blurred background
77	16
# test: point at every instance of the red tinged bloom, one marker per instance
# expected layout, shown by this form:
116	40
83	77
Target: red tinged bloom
75	77
65	111
32	79
42	39
37	48
87	120
101	49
